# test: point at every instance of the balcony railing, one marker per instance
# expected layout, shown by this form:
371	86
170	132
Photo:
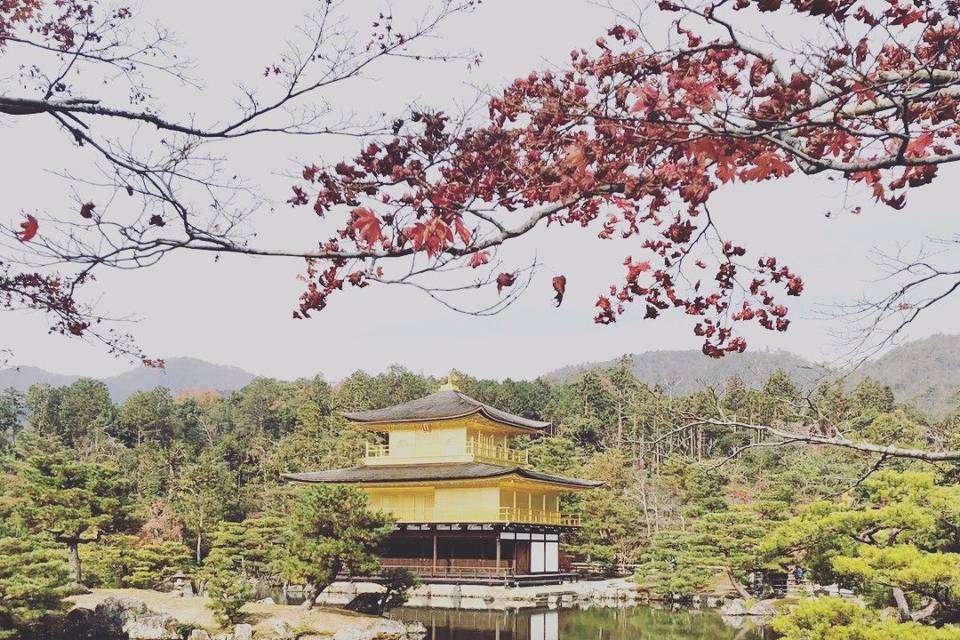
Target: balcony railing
445	567
377	451
479	450
538	516
496	453
504	514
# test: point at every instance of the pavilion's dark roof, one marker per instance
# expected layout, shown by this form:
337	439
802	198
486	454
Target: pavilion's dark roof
438	471
443	405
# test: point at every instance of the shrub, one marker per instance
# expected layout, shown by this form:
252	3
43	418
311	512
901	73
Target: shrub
228	593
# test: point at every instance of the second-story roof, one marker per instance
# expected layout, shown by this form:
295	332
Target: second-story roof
432	472
443	405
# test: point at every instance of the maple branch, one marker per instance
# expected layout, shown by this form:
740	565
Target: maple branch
196	240
789	437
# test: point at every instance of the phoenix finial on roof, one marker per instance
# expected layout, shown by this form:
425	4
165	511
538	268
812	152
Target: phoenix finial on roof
451	384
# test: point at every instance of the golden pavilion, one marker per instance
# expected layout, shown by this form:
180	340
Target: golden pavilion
467	505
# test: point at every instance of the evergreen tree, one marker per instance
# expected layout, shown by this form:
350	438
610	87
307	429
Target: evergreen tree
13	409
126	561
73	502
894	542
148	417
228	593
202	497
252	548
840	619
33	584
330	529
86	415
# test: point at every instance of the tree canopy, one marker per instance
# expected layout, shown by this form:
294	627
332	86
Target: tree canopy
694	504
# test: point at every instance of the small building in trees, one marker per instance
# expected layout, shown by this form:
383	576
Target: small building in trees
468	507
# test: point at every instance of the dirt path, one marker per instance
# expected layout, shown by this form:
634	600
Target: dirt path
194	611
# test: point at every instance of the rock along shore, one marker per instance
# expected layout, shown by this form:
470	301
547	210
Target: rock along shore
611	592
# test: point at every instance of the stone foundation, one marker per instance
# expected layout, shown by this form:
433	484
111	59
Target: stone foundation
614	592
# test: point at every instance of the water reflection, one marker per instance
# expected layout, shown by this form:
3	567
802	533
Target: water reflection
628	623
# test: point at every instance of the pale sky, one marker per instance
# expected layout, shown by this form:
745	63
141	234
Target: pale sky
238	311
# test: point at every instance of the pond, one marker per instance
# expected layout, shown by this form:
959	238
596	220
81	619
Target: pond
627	623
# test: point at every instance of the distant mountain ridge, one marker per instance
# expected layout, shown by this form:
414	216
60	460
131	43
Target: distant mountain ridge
179	374
924	373
681	372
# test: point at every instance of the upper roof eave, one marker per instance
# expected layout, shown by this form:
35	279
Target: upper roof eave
443	405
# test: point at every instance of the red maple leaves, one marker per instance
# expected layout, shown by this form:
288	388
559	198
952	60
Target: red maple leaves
505	280
635	143
367	226
28	229
560	288
432	236
478	259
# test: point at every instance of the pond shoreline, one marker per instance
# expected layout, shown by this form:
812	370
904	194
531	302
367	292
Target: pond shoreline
582	623
611	592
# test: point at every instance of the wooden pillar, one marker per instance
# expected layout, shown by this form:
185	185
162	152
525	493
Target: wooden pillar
498	551
434	553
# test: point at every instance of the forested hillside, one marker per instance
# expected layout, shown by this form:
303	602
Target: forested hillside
924	373
687	493
682	372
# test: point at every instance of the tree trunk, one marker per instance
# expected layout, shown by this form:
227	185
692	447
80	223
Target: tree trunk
903	607
740	589
927	611
76	575
311	593
199	538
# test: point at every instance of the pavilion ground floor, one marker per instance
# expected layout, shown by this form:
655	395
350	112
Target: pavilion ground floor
495	553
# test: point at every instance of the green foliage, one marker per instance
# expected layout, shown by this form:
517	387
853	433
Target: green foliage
228	593
215	462
13	411
252	548
670	566
331	529
703	491
840	619
202	497
897	533
612	529
396	587
33	584
872	397
681	563
122	561
554	455
54	494
148	417
397	583
85	414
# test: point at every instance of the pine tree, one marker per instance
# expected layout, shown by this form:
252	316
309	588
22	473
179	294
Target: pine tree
894	542
202	497
331	529
33	584
73	502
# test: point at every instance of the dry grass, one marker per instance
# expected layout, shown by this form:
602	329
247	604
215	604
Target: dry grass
194	611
